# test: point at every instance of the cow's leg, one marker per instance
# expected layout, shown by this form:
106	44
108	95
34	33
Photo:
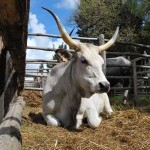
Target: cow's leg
48	107
125	96
51	120
93	117
107	106
81	113
79	119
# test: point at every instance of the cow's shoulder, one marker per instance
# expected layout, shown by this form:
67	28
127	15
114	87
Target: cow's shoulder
59	69
54	76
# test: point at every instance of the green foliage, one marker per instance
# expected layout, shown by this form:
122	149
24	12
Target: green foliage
50	66
62	46
117	104
141	8
146	33
96	17
144	101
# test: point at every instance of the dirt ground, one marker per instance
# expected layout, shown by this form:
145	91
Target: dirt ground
126	130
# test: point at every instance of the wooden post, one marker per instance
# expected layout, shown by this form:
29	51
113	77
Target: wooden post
43	81
103	54
2	76
1	107
136	101
1	44
10	136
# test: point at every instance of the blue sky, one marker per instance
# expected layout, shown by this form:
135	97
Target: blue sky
63	8
41	21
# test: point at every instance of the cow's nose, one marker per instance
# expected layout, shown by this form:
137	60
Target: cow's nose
104	86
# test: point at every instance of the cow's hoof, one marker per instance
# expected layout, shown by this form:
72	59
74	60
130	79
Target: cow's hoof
94	124
110	114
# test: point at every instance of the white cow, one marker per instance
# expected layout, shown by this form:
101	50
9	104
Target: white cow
71	84
91	107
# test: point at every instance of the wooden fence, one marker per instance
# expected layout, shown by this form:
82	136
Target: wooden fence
11	105
9	84
140	67
13	40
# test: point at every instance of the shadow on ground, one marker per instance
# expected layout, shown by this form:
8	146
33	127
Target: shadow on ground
37	118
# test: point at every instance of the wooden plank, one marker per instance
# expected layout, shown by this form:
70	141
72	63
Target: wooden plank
43	81
129	88
34	89
35	61
119	77
10	136
34	75
41	48
87	38
10	89
112	88
9	80
135	84
29	82
103	54
58	36
1	107
30	72
143	66
143	72
108	53
125	77
2	81
143	87
41	60
120	88
38	69
108	65
1	44
45	49
134	44
128	54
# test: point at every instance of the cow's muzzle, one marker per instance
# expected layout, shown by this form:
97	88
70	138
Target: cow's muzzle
104	86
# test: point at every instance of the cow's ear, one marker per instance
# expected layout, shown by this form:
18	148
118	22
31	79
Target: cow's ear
64	53
76	54
100	53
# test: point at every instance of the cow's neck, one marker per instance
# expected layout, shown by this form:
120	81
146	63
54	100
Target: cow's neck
78	90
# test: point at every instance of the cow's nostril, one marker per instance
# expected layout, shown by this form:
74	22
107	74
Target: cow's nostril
104	86
101	84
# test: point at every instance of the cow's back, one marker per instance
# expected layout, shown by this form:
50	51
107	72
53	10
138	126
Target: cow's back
124	68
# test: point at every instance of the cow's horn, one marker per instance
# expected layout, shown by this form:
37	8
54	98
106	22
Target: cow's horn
110	42
65	36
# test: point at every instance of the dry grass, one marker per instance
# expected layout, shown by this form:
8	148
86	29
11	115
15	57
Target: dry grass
127	130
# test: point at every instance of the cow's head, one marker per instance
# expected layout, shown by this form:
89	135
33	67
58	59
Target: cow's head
87	69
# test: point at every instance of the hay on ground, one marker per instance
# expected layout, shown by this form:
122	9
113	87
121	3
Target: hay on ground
127	130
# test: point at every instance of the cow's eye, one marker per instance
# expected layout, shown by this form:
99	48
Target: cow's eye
84	61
